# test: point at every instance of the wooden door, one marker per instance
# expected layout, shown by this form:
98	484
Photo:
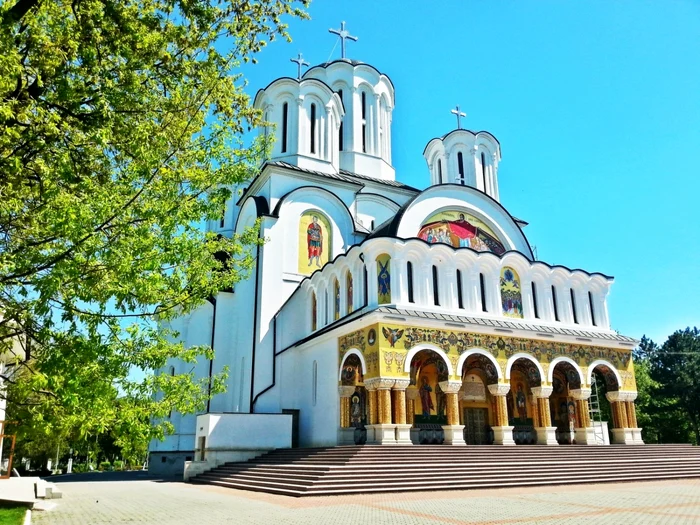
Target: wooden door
475	426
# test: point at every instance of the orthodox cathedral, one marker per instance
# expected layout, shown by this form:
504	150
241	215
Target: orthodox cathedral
379	313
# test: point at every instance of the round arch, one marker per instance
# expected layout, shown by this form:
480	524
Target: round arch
522	355
598	362
427	346
463	359
562	359
352	351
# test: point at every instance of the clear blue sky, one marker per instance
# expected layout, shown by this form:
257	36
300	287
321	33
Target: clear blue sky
596	105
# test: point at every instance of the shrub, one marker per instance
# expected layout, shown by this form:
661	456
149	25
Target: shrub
105	465
118	465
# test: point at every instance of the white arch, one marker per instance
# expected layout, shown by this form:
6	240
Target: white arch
352	351
427	346
592	366
523	355
554	363
463	359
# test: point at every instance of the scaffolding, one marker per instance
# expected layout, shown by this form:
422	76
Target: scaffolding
595	413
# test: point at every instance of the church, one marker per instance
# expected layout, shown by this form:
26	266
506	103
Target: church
379	313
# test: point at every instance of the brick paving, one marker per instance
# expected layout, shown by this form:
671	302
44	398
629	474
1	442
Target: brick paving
148	501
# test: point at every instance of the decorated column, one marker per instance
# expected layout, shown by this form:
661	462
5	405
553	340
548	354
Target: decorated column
383	432
453	431
584	431
372	417
502	432
411	396
625	417
546	433
403	428
346	434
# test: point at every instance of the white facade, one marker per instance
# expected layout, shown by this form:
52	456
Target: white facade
340	166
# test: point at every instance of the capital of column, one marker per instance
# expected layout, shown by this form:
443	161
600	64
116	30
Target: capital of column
450	387
371	384
300	100
346	391
412	392
384	383
621	395
542	392
401	384
499	389
581	393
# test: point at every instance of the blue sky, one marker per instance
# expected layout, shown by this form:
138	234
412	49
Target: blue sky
597	108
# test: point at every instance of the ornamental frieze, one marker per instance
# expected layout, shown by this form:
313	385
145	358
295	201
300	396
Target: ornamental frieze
353	340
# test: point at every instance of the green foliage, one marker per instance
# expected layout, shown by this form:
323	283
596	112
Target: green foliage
105	465
118	465
668	402
121	130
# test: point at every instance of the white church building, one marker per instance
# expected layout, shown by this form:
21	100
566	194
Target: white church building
379	313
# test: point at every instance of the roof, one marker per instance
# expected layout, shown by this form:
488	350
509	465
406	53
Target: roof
343	175
498	323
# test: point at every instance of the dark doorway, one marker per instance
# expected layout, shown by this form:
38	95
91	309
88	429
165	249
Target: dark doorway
295	425
476	426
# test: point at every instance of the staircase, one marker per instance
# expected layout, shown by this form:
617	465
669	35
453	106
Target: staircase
364	469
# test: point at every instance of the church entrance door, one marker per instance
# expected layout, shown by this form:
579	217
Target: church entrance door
475	426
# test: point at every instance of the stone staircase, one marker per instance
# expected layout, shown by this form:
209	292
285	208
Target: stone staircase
365	469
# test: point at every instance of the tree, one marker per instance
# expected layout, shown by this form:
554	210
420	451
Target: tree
121	126
676	367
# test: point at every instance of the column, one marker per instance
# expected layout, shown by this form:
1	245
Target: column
454	432
403	428
372	286
584	432
346	433
398	279
502	432
624	433
376	148
447	281
546	433
371	387
494	160
411	396
384	431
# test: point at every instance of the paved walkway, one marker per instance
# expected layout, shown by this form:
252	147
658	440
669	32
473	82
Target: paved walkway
171	503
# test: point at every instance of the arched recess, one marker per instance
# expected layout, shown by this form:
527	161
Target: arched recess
463	359
563	359
426	346
602	362
530	358
355	352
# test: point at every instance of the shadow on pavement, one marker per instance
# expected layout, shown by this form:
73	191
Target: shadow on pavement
129	475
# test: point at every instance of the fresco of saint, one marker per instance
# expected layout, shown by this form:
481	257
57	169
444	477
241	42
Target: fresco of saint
314	241
460	230
426	400
520	403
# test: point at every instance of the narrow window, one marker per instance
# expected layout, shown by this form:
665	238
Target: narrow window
439	171
460	167
313	312
313	128
364	284
554	303
460	299
573	305
436	292
534	299
340	131
590	304
315	382
222	222
483	292
364	123
285	122
409	273
483	170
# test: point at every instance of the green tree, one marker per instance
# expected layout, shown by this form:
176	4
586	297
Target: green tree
121	126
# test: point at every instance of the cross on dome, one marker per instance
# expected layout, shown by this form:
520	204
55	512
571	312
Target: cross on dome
459	114
344	35
300	62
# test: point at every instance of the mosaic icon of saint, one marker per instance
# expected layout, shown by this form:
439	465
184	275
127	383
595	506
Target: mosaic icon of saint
426	400
314	241
520	403
383	279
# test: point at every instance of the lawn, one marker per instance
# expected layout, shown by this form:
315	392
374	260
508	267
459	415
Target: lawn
12	515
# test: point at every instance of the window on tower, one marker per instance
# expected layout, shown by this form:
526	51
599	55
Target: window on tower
340	131
460	299
439	171
534	299
364	122
482	287
554	303
573	305
285	124
313	128
436	290
460	167
483	170
409	278
590	304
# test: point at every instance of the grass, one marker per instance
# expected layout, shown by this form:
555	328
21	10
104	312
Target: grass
12	515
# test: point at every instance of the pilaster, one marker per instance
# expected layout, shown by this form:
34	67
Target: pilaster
502	432
546	433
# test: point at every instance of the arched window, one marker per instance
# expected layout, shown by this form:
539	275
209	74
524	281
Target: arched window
554	303
340	130
383	279
314	382
573	305
439	171
364	284
511	298
460	167
364	122
460	299
482	287
409	274
314	320
590	305
534	299
336	300
436	289
483	170
349	292
313	128
285	125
